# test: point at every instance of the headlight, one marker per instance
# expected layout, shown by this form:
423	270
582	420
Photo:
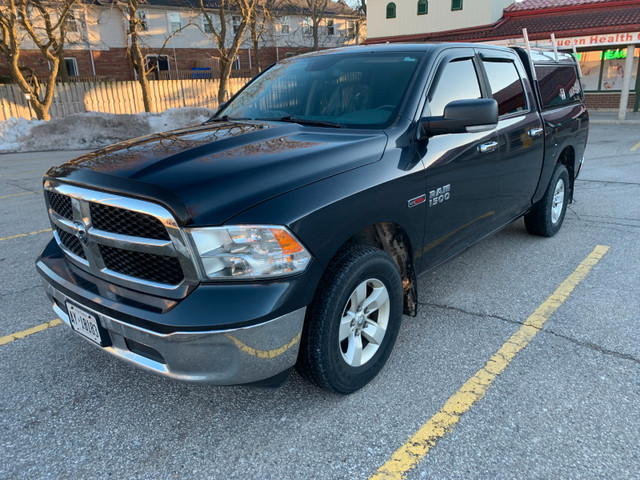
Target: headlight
249	251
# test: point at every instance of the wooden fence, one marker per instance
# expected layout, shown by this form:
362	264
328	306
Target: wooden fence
117	97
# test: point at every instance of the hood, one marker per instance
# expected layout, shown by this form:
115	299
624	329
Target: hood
206	174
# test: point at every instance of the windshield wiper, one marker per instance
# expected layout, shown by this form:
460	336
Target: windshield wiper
308	121
224	118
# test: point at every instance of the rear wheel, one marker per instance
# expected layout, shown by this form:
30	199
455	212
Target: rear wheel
353	322
548	214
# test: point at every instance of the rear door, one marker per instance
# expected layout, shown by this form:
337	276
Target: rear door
461	169
520	132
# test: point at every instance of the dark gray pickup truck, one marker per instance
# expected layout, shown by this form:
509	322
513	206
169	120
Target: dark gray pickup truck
290	228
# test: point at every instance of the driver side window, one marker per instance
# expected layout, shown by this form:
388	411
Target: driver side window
457	80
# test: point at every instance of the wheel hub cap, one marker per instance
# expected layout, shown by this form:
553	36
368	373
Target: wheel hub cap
364	322
558	201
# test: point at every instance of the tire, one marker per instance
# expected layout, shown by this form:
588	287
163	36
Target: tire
548	214
344	345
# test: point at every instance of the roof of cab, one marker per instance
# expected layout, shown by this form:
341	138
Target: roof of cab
401	47
538	56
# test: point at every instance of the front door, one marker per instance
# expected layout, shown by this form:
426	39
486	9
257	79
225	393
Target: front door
461	169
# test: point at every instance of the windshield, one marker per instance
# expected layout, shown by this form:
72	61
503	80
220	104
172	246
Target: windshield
360	90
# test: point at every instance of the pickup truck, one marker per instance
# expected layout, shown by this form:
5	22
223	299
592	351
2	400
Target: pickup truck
290	229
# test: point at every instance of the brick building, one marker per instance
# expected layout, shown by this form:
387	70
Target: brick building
603	32
96	46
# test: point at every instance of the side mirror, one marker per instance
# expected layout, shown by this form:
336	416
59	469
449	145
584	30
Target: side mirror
461	116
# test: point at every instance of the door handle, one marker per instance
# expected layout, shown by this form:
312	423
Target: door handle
487	147
535	132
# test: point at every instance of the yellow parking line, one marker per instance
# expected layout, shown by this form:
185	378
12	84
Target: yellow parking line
29	331
414	450
635	147
11	237
17	195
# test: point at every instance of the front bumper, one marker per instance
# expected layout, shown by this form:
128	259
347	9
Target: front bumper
226	357
264	344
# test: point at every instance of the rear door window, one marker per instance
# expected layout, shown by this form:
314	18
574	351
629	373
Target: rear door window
506	87
457	81
558	85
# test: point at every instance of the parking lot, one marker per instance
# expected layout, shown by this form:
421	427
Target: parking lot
459	397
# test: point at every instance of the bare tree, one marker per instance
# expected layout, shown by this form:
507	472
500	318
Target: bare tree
45	24
220	36
136	28
261	17
316	13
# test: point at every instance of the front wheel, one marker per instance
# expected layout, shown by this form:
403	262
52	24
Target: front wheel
548	214
353	322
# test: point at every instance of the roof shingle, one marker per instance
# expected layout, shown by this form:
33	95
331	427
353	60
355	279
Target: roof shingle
525	5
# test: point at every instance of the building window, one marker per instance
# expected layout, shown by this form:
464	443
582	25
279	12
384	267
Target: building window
72	66
456	5
330	28
157	63
175	22
391	10
352	28
590	63
236	63
206	27
613	69
29	14
235	20
603	70
73	25
306	27
423	7
142	20
284	25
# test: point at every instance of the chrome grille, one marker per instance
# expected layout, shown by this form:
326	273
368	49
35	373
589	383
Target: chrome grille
123	240
155	268
71	243
61	204
127	222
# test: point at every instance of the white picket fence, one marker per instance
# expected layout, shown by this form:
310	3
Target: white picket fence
117	97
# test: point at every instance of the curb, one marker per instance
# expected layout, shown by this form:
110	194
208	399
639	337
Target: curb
605	121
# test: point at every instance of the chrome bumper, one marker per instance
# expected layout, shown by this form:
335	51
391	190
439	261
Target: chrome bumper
219	357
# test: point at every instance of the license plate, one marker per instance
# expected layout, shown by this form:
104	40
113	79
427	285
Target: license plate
84	323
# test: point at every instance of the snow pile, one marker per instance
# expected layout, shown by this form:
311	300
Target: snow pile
12	130
91	130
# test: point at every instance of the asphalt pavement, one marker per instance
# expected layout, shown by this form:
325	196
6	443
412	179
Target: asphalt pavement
566	406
